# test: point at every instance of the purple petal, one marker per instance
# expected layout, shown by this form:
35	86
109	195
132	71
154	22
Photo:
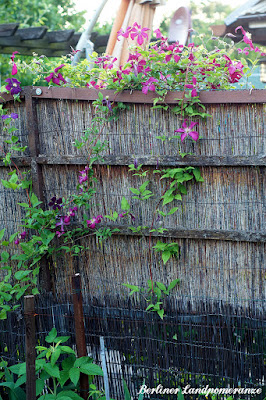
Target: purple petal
194	135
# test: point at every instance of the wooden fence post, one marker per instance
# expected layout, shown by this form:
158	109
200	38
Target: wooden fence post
29	311
80	330
36	174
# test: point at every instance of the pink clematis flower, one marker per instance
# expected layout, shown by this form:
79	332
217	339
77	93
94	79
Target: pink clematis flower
14	68
139	33
193	86
56	76
245	38
149	85
91	223
187	131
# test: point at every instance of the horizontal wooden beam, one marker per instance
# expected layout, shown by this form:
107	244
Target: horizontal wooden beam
170	161
35	33
207	97
146	160
8	29
199	234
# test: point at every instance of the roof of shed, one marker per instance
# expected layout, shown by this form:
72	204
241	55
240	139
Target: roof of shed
252	8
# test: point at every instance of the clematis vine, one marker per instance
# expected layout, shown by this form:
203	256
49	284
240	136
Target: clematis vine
13	85
187	131
56	77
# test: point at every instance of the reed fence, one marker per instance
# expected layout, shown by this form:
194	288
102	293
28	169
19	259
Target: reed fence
220	228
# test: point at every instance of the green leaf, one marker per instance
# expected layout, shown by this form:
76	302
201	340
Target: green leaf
165	256
61	339
91	369
82	360
21	380
173	284
70	395
197	175
74	374
51	336
67	349
126	391
161	286
4	256
124	204
55	356
52	370
135	191
143	186
39	386
21	274
161	313
2	232
173	210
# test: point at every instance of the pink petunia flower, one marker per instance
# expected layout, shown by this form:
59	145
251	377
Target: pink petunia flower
187	131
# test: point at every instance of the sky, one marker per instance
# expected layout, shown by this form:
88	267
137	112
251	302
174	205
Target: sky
111	7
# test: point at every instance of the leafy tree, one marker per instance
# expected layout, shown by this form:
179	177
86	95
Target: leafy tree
55	14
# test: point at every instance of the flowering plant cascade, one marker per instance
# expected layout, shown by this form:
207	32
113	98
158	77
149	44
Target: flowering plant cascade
159	68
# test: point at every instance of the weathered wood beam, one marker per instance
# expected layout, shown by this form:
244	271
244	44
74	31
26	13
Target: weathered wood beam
59	36
168	161
146	160
35	33
206	97
8	29
199	234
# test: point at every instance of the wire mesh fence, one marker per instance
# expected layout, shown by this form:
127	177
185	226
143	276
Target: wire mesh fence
222	348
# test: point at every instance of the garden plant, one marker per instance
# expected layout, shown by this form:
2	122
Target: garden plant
159	68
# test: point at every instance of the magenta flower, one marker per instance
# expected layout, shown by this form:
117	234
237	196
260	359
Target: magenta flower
83	177
13	85
187	131
91	223
56	76
193	86
139	33
235	69
21	237
158	34
14	68
149	85
245	38
12	115
125	33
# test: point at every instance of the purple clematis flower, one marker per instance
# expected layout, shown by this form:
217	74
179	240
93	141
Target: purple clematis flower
187	131
12	115
55	203
56	76
13	85
83	175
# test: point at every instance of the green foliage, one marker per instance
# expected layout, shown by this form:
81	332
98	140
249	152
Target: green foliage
56	363
154	294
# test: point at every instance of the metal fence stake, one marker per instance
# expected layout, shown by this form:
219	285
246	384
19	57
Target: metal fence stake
80	330
104	368
30	344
